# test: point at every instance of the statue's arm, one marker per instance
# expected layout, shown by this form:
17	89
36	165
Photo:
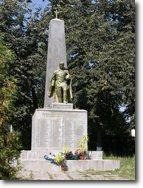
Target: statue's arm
69	80
52	85
68	76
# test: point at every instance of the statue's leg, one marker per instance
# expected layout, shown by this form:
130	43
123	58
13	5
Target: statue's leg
59	94
65	97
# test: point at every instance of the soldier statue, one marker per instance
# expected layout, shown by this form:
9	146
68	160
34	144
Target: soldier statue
60	85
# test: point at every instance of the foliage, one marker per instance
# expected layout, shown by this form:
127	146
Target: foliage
127	169
7	83
9	141
81	153
66	149
9	153
71	156
82	144
24	35
67	154
59	158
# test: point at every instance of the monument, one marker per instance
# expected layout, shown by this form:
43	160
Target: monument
57	124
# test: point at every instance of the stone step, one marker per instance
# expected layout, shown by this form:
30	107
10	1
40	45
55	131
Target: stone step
99	165
33	154
39	154
37	169
42	169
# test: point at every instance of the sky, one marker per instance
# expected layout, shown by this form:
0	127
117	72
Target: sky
38	3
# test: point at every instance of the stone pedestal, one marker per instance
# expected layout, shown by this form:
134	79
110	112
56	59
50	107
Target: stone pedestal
59	126
52	129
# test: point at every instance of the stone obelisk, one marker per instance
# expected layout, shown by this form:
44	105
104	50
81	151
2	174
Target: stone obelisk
56	53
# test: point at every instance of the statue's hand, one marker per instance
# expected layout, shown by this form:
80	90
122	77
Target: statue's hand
49	94
67	77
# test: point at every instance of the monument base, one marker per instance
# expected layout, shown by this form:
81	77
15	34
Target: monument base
35	167
52	130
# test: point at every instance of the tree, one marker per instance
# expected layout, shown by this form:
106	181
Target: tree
26	38
9	141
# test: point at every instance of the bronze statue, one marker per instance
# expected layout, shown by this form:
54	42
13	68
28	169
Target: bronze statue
60	85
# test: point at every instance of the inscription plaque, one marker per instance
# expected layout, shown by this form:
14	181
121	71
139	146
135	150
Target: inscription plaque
52	129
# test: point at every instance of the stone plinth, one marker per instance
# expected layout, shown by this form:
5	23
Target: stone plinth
68	106
96	155
60	126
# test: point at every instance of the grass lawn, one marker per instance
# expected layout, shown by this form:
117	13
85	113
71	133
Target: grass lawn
126	171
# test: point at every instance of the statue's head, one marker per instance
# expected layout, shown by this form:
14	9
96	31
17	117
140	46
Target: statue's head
61	65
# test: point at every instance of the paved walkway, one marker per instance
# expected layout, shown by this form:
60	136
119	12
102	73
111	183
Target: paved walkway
77	176
48	171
